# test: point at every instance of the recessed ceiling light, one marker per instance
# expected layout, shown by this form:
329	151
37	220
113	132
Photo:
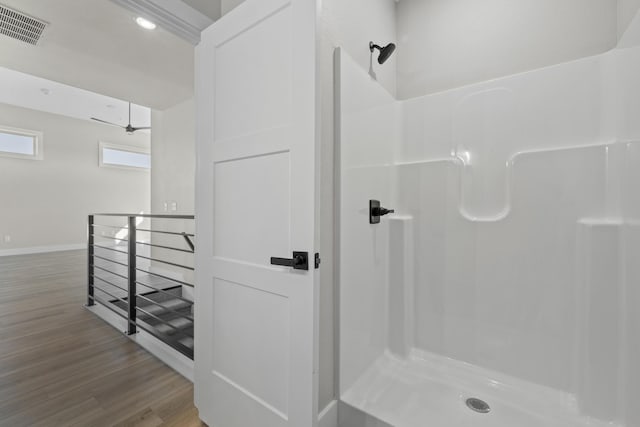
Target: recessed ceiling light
145	23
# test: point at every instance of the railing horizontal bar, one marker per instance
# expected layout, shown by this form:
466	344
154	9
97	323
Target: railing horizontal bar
167	262
174	233
109	271
164	292
159	216
165	307
126	240
112	226
165	277
109	283
110	294
110	307
110	249
165	247
180	331
110	260
110	238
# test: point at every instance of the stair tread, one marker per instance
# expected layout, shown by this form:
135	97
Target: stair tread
187	342
180	325
172	304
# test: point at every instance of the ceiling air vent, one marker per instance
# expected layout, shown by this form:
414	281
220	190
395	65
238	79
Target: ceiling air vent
19	26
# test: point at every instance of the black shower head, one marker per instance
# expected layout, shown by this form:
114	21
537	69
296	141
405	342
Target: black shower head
385	52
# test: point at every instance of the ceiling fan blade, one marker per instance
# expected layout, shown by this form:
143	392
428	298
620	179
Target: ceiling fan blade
142	128
107	123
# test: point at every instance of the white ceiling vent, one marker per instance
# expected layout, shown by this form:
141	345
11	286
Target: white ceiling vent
19	26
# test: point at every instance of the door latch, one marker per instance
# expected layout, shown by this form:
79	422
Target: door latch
299	261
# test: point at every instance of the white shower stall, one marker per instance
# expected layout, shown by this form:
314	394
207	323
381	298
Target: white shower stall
510	270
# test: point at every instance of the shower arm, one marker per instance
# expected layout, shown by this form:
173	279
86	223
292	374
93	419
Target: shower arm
373	46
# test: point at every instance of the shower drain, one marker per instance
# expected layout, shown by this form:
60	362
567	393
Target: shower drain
478	405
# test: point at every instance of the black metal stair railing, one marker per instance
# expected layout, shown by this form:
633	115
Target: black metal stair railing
144	273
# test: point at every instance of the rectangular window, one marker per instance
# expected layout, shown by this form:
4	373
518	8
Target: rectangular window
121	156
20	143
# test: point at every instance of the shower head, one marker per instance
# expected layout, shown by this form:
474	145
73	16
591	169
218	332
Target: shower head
385	52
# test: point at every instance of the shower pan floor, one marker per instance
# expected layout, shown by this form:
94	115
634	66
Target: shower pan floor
426	389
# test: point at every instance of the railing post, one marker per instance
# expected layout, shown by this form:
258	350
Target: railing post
90	261
132	297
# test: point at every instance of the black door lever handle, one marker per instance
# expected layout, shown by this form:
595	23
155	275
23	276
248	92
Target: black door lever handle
299	261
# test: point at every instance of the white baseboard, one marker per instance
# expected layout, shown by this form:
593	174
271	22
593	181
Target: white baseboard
42	249
175	360
329	415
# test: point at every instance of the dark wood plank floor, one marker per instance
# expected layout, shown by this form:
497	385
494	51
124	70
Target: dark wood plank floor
62	366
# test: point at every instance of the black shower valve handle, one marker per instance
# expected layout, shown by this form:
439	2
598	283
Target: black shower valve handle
376	211
384	211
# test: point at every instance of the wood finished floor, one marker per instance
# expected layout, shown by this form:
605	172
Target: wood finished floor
62	366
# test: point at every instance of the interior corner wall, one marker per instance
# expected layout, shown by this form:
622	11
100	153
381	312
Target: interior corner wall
228	5
445	44
173	160
352	24
349	25
627	10
44	204
210	8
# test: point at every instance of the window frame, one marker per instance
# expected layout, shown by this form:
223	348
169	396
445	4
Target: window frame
128	148
38	143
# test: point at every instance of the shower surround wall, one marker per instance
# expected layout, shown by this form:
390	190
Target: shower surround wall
510	270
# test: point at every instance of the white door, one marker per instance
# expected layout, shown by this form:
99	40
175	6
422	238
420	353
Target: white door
255	323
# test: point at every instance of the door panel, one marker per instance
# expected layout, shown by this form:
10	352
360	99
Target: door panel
260	216
254	353
260	88
255	323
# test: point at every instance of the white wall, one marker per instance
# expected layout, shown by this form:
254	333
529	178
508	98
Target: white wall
173	161
173	181
46	202
450	43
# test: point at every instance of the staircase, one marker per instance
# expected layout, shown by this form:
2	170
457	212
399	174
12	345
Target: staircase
147	260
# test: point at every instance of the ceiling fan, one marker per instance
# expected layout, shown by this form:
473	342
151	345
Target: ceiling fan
128	128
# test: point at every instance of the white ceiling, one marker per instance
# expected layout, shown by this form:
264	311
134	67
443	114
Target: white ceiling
36	93
96	45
